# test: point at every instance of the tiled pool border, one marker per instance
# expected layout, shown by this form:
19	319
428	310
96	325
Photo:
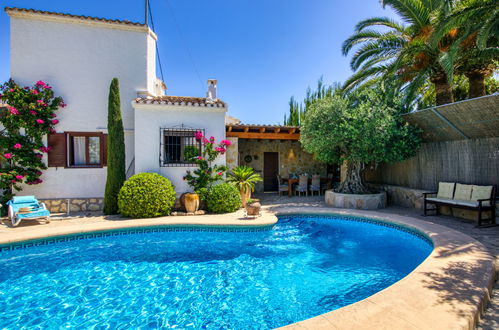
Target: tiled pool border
50	240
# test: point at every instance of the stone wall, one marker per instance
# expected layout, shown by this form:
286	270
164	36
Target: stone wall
60	205
232	154
292	158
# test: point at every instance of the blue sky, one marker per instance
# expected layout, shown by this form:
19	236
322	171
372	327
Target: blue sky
261	51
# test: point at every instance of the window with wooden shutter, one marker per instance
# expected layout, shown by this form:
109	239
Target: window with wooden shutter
57	155
77	149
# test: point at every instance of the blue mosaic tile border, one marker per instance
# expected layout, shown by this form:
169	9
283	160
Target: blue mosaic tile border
122	232
403	228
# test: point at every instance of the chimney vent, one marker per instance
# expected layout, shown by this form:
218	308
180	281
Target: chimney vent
211	95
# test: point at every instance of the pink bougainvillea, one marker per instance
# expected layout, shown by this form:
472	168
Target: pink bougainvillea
225	143
22	161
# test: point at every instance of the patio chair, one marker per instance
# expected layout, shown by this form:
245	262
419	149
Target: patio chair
302	185
283	187
26	208
316	184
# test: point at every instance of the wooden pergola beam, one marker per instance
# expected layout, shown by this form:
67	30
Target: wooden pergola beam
268	136
261	130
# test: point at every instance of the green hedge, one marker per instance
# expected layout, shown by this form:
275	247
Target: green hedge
223	198
146	195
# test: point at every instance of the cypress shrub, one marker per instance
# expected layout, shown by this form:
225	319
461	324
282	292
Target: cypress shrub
115	150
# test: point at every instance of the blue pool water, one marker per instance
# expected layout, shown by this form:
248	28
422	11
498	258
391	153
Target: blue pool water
303	267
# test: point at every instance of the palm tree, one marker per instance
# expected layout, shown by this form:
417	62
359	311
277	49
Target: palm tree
244	178
474	52
401	52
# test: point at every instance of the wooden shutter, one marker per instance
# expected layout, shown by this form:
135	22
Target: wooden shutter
57	155
104	149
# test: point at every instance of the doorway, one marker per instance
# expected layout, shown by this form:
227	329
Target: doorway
270	171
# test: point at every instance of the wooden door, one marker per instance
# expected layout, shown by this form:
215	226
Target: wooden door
270	171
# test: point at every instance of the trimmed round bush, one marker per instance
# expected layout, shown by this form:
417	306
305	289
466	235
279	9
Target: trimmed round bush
223	198
146	195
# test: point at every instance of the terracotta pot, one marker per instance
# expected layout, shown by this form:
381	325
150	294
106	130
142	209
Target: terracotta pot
245	196
190	201
253	209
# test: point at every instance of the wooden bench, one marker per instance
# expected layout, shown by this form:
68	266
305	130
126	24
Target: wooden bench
464	196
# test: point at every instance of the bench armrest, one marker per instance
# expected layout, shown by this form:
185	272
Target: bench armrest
429	193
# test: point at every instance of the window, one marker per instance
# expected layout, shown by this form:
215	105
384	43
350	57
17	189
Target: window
179	147
85	149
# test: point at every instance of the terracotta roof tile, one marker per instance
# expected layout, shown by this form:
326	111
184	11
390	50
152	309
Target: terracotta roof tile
180	100
90	18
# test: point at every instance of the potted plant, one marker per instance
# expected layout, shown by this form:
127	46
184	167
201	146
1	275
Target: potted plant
253	207
244	178
205	174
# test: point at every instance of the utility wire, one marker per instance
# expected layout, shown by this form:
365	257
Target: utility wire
182	39
156	43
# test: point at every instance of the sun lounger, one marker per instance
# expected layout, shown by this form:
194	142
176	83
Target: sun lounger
26	208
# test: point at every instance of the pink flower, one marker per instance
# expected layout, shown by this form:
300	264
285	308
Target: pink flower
205	141
8	155
34	113
39	156
220	149
19	177
219	173
53	115
39	173
17	146
198	135
212	139
63	105
14	111
225	143
14	181
199	158
34	92
55	121
40	83
39	101
45	149
11	90
40	121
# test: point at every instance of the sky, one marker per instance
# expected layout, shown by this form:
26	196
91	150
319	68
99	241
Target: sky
262	52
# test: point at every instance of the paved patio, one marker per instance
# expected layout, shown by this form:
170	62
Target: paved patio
272	202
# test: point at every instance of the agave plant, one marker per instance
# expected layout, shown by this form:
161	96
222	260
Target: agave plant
244	178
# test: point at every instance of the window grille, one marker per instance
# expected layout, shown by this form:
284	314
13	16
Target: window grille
179	147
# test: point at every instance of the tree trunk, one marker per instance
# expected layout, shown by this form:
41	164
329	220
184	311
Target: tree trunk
443	89
477	84
354	183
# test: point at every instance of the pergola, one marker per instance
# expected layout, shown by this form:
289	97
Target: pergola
270	132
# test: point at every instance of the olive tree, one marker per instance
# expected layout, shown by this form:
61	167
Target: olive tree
361	128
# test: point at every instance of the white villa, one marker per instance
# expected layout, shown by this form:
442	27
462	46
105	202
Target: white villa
78	56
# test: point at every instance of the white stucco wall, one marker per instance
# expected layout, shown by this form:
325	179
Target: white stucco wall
79	60
149	119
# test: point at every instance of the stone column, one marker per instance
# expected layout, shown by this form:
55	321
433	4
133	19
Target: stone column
232	154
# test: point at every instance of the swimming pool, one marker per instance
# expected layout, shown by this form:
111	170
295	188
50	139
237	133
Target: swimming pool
303	267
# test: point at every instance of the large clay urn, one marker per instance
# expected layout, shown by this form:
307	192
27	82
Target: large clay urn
190	201
245	196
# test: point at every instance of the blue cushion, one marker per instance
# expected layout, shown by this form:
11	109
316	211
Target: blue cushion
24	199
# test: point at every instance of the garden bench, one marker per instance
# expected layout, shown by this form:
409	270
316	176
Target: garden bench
464	196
